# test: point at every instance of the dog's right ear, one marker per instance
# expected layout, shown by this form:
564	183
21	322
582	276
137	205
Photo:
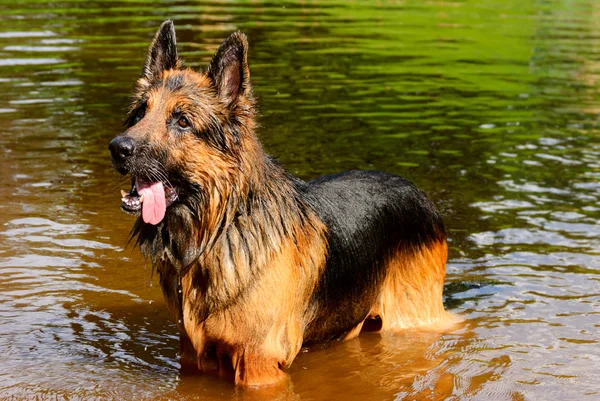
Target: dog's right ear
162	53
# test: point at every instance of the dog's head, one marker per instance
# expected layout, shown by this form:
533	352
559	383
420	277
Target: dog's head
186	131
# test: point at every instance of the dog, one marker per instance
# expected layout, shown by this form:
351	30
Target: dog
253	262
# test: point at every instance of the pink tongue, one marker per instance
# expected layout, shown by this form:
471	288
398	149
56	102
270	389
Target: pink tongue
155	204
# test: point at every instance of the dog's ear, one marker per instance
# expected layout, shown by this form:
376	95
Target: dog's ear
162	53
229	69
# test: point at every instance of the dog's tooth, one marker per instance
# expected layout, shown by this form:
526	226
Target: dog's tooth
142	199
123	199
123	193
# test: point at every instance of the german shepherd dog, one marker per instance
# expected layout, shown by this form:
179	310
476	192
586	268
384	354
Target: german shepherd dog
254	262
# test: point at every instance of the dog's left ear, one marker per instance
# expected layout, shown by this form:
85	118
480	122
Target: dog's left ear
229	69
162	53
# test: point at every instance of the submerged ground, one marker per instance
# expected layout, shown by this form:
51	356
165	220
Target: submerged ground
489	106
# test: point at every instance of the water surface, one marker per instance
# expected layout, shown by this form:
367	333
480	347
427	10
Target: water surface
489	106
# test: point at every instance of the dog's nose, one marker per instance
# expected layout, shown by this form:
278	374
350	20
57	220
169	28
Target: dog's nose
121	148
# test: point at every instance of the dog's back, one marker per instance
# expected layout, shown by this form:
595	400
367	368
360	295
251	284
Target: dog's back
385	238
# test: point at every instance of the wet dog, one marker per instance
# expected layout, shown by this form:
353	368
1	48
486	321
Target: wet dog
254	262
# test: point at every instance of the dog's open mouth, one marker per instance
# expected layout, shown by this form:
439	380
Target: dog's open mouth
150	198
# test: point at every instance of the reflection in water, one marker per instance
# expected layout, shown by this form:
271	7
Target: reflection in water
489	107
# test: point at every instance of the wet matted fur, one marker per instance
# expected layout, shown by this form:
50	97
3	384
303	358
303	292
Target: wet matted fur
254	262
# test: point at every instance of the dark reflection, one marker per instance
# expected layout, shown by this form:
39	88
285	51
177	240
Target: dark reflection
457	293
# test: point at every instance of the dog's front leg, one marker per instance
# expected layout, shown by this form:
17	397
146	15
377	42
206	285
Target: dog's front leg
187	353
254	368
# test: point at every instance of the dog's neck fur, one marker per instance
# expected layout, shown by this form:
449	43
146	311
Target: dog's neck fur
237	227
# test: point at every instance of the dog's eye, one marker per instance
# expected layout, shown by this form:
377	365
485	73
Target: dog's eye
183	122
139	114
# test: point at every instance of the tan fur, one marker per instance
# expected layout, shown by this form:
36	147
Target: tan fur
263	331
411	295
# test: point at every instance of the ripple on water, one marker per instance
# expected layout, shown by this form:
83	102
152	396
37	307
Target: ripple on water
12	62
44	274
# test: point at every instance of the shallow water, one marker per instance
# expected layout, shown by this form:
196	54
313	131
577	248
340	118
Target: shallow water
489	106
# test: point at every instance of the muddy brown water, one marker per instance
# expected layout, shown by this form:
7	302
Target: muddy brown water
489	106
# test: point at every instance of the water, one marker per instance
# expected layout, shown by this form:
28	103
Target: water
489	106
